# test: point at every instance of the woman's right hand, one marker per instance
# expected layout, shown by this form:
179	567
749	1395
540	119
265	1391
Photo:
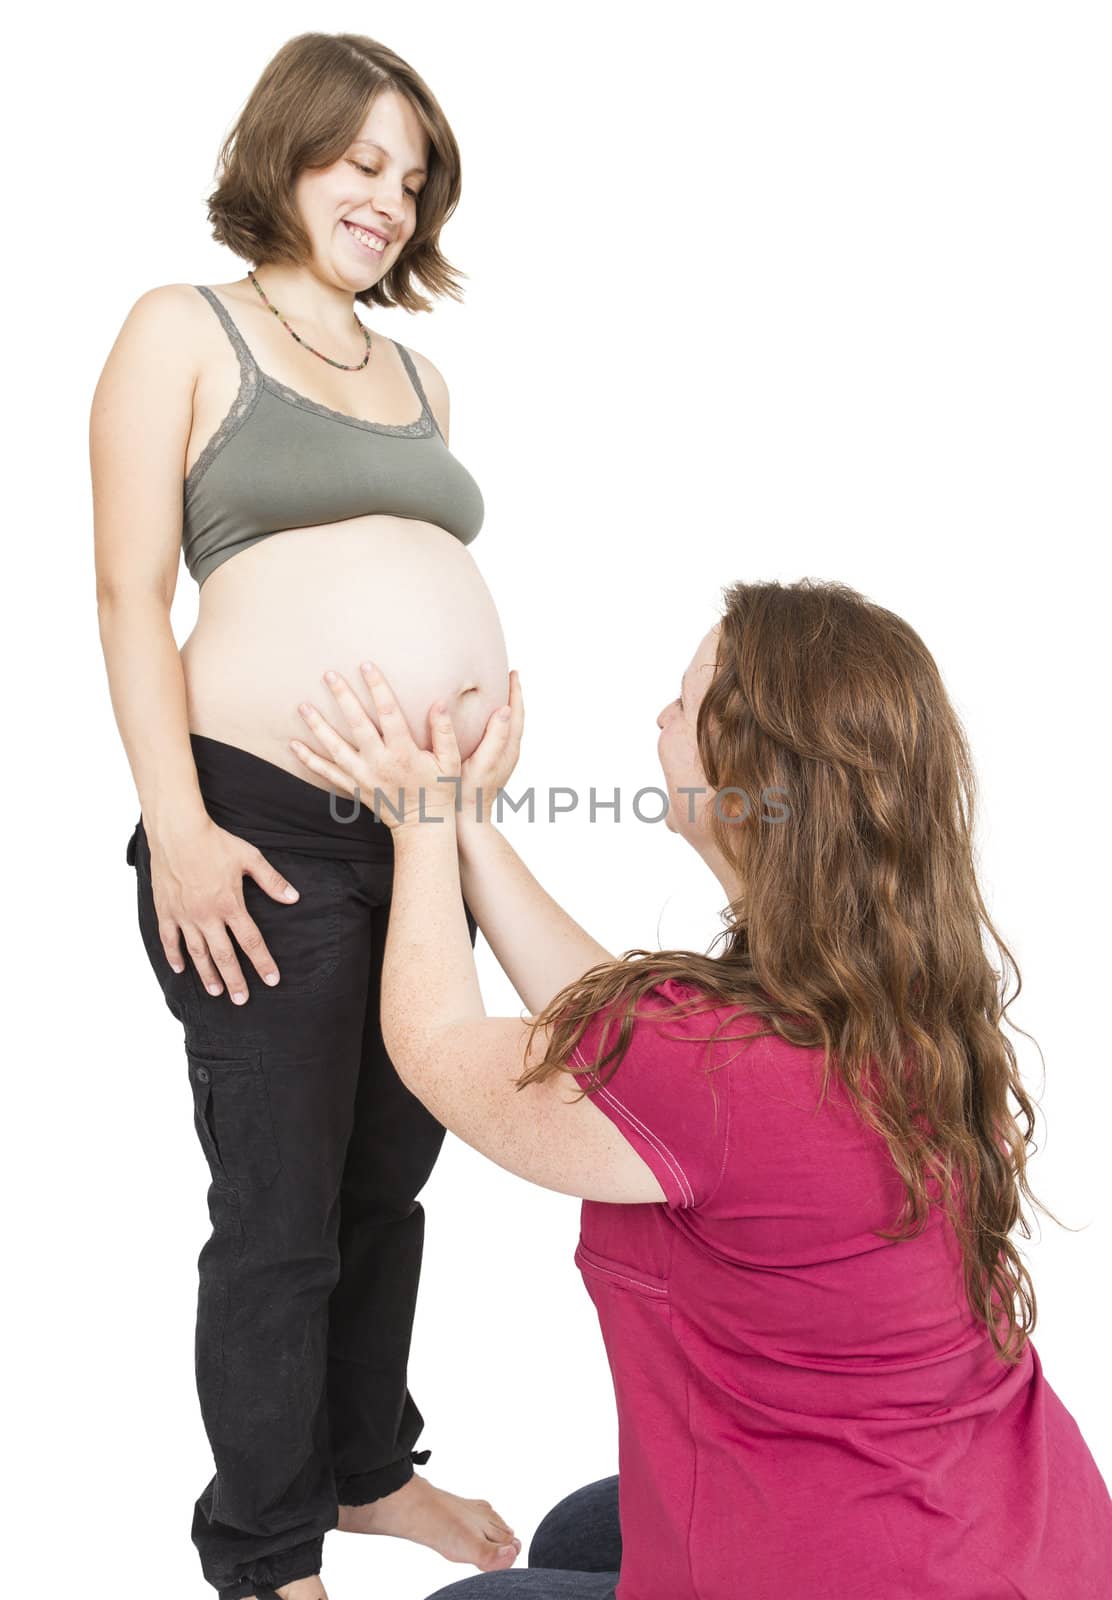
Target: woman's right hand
197	887
488	768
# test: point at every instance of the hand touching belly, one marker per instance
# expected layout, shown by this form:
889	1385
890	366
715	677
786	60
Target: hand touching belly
401	593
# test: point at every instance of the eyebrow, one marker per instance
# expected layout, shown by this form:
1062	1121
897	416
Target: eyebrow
370	144
683	681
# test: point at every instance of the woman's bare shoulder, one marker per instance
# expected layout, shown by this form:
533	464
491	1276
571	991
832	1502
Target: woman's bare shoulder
166	322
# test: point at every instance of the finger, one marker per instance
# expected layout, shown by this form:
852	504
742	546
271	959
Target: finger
253	945
341	780
508	721
168	933
223	954
199	955
445	749
395	729
268	877
504	722
353	708
335	743
517	705
445	745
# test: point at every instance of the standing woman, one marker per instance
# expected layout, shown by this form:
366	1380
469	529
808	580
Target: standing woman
324	519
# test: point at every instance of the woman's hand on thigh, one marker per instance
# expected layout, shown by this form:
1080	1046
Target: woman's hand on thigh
197	888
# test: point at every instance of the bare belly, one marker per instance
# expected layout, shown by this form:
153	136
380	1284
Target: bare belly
404	594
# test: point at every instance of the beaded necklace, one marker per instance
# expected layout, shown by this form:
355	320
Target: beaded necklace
364	330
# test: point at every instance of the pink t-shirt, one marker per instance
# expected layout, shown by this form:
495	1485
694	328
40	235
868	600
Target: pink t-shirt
806	1409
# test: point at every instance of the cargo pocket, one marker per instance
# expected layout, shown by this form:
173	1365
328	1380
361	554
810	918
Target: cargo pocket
231	1112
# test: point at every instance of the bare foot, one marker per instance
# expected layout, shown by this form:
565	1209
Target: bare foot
462	1530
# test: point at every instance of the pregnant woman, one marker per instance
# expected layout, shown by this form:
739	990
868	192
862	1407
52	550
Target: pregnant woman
798	1159
324	518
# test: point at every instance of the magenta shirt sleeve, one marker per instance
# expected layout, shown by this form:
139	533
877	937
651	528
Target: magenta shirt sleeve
662	1098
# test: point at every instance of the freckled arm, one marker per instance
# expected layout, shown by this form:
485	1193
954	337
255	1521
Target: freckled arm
539	946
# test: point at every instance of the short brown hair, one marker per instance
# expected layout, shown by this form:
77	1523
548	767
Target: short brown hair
304	111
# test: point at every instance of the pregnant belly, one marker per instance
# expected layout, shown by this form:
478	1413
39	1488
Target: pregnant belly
404	594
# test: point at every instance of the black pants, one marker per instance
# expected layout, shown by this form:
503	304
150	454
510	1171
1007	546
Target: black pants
316	1152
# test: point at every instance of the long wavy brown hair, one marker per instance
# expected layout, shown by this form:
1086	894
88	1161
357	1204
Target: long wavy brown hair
861	927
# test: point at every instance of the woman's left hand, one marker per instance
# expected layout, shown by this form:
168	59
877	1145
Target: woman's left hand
415	784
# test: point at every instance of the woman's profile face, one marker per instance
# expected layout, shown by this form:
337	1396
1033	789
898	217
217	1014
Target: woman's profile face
679	753
373	187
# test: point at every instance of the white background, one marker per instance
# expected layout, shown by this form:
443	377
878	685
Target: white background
797	290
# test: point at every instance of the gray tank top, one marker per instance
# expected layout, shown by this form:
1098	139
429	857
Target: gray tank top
280	460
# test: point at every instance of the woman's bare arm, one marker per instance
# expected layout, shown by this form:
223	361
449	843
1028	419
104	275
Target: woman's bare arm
537	944
139	426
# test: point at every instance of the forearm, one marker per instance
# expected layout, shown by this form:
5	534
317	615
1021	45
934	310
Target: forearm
538	945
147	689
428	969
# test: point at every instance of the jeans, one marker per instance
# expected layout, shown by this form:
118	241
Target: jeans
316	1152
575	1554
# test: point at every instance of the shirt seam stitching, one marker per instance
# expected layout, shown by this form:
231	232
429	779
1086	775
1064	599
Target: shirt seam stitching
683	1183
658	1144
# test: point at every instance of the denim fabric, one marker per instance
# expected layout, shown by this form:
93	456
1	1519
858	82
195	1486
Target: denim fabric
575	1554
316	1152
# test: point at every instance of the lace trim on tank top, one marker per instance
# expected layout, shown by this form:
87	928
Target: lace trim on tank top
411	430
253	381
418	429
250	388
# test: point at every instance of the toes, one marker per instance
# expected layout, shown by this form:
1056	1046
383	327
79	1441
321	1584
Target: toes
493	1520
496	1557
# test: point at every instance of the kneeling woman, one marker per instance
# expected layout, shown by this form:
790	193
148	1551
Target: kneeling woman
845	1396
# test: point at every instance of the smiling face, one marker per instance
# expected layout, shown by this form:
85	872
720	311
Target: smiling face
688	815
374	186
